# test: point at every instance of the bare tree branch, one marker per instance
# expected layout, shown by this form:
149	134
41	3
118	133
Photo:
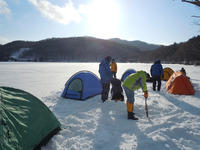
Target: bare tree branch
194	2
196	16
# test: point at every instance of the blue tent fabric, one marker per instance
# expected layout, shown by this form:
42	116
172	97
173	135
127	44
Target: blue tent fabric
82	85
127	73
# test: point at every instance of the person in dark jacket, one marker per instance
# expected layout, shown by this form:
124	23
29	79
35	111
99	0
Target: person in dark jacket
156	73
183	70
106	77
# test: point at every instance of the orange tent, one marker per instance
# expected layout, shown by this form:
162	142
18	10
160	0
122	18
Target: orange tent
179	84
167	73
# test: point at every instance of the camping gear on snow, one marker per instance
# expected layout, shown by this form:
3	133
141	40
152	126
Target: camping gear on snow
82	85
179	84
167	73
127	73
149	78
116	90
25	122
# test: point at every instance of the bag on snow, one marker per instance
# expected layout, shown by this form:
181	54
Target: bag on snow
116	90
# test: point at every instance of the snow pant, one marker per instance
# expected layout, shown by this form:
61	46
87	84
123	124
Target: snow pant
155	80
114	74
130	99
105	91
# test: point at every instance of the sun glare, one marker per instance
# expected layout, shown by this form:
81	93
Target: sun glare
102	17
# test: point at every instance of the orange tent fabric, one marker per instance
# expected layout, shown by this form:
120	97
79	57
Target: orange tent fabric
179	84
167	73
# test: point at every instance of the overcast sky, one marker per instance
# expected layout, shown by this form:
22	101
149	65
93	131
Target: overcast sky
152	21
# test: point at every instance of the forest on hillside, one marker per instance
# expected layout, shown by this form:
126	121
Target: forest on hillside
89	49
185	52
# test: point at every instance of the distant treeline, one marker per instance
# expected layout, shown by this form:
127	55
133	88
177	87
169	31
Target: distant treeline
89	49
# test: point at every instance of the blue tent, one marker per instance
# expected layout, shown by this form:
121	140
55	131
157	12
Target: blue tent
82	85
127	73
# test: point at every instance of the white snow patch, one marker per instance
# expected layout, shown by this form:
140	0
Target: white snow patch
17	54
173	123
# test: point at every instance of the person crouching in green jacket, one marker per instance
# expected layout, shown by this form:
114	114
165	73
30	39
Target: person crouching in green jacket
134	82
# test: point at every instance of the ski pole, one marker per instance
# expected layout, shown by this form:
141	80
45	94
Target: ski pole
146	107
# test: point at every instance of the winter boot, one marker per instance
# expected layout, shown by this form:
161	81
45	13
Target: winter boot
103	100
131	116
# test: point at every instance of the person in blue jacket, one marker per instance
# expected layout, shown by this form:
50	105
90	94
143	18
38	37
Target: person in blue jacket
156	73
106	77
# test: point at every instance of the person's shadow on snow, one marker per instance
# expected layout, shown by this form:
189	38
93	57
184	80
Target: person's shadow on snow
115	131
181	104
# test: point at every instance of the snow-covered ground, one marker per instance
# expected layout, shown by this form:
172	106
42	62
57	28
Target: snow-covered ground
173	123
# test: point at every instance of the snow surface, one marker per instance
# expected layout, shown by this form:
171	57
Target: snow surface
173	123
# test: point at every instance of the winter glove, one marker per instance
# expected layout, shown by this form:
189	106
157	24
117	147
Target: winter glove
146	94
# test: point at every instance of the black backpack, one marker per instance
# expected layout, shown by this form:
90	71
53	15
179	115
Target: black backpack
116	90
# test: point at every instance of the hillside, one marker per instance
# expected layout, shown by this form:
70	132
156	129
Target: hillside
89	49
186	52
83	49
143	46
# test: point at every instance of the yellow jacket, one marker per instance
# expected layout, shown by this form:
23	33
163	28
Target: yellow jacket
113	66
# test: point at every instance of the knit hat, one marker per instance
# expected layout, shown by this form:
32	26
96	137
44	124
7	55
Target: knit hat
108	58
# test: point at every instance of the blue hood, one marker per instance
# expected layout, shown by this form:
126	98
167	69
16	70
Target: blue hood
105	72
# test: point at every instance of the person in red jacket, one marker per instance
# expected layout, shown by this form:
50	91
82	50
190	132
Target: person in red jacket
113	66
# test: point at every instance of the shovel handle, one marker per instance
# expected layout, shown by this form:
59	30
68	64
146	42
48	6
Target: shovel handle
146	107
